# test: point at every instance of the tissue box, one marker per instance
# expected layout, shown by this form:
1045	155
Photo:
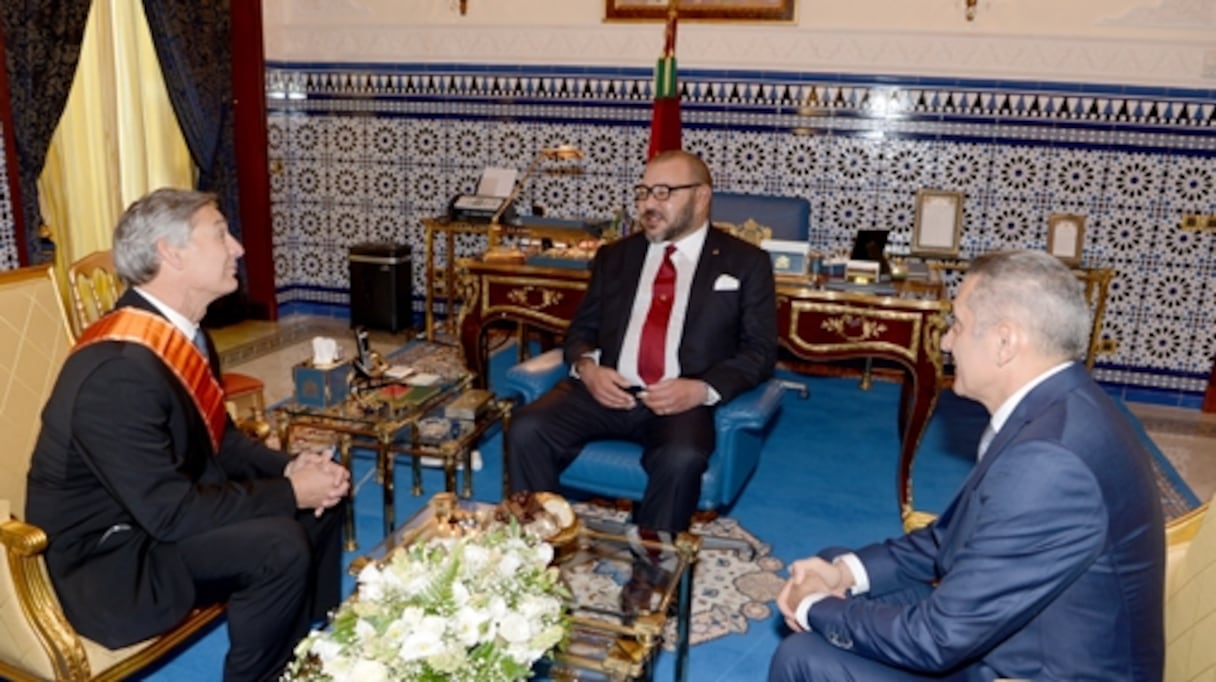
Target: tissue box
321	386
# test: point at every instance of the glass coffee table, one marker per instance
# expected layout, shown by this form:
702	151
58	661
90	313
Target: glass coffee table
624	589
388	423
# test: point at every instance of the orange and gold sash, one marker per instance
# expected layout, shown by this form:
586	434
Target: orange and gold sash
176	350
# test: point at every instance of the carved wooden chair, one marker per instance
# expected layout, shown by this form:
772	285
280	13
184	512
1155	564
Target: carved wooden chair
36	640
95	287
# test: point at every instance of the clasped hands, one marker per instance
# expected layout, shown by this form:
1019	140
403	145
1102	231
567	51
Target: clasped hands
669	396
317	480
811	576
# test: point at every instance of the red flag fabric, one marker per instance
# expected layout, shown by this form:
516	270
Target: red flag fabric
665	118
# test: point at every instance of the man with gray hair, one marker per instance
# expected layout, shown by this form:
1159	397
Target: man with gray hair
1049	562
153	501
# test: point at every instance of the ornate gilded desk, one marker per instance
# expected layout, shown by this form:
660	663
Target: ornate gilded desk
813	325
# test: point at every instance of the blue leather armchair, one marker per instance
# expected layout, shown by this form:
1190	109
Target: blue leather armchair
613	468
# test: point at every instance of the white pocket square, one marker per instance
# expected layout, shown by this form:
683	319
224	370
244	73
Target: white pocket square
726	283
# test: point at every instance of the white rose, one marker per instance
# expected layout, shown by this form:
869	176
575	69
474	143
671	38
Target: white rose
509	564
325	649
514	627
415	583
522	653
460	593
543	554
364	631
369	671
338	668
476	556
468	627
371	582
498	607
421	644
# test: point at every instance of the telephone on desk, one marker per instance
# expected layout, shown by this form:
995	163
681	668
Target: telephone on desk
478	208
368	364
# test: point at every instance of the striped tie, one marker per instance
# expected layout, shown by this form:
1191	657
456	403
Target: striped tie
200	342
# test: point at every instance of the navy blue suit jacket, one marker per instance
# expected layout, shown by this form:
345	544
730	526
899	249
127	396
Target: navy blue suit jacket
730	336
1048	564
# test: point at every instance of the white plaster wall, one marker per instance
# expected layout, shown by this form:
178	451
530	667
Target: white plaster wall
1133	42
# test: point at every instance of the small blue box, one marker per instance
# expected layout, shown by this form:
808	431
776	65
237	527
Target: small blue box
321	386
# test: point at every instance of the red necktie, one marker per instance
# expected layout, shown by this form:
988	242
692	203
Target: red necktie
652	352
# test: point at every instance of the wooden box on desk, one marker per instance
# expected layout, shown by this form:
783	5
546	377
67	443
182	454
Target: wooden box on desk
321	385
790	258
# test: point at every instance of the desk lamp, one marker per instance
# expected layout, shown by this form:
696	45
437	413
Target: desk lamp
498	252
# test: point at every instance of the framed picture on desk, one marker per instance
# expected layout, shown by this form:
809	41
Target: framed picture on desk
938	229
1066	237
739	10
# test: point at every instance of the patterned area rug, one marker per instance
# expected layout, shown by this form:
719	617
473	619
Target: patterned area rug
729	590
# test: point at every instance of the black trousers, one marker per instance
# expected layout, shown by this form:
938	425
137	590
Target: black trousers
546	436
278	576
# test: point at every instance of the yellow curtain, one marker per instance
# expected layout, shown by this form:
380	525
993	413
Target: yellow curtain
118	137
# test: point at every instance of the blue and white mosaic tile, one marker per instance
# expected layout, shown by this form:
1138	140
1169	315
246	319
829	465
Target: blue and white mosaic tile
368	153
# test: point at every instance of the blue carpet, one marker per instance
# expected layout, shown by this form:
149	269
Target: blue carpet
827	476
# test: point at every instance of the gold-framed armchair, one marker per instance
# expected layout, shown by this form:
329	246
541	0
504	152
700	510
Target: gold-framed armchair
36	640
1190	596
94	287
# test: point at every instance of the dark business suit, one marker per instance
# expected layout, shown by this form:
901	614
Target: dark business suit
146	520
729	341
1048	562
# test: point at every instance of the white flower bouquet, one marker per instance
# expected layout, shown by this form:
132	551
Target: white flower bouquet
483	607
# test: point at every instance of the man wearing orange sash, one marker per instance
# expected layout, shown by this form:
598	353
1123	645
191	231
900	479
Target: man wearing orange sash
153	501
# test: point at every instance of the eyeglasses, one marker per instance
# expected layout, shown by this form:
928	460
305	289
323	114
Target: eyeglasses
659	192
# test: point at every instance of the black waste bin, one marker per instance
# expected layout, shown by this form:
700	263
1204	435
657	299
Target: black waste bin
380	286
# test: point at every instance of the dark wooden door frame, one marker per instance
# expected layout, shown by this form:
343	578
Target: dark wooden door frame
252	156
13	171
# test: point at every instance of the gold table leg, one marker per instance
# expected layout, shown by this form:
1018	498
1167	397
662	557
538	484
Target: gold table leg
348	505
430	282
385	460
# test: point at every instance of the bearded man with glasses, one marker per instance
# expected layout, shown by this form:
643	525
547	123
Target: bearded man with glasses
678	318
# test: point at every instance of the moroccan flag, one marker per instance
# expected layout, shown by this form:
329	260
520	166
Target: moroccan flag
665	119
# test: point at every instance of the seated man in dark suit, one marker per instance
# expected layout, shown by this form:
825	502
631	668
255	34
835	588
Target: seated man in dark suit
1049	562
153	501
677	318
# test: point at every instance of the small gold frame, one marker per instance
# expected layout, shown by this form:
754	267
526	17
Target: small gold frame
939	223
1066	237
714	10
